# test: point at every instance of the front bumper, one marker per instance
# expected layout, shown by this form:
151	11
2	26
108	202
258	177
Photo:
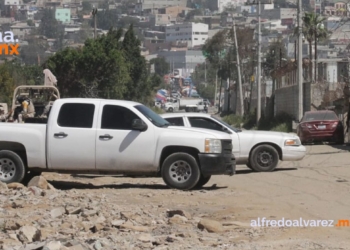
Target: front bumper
293	153
217	164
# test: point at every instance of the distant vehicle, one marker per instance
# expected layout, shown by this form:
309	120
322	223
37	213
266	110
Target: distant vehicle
319	126
259	150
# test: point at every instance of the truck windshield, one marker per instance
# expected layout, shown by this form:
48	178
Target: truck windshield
152	116
226	125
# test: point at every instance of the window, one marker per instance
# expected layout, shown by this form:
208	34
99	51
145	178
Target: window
117	117
199	122
76	115
178	121
156	119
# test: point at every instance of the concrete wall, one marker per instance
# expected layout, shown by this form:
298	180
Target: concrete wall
286	99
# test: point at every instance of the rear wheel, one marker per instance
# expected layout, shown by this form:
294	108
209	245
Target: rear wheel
180	171
12	168
170	109
264	158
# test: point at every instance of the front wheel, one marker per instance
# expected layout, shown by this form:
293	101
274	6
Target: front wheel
170	110
264	158
202	181
12	168
180	171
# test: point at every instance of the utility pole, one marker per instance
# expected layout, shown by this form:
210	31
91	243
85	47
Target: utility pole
216	87
205	72
94	12
300	63
239	71
258	109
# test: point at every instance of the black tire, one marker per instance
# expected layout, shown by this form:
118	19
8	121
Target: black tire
249	166
190	173
264	158
30	175
170	109
202	181
12	168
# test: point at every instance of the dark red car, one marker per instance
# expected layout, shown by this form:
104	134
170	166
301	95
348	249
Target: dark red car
319	126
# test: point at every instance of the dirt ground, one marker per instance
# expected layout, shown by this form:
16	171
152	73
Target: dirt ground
316	188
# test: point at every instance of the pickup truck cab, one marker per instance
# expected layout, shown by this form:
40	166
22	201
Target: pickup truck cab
113	137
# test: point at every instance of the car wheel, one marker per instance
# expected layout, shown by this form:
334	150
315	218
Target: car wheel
264	158
12	168
180	171
202	181
249	166
341	141
170	109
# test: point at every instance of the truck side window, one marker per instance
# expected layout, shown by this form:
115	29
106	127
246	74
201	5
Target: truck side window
198	122
117	117
76	115
178	121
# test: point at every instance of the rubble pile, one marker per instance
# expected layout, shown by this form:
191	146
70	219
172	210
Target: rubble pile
38	216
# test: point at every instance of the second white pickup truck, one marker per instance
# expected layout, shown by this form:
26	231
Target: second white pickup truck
113	137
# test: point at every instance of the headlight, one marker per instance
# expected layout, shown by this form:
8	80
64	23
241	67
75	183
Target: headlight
292	142
212	146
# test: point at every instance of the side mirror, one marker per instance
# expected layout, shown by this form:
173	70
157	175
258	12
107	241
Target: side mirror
138	124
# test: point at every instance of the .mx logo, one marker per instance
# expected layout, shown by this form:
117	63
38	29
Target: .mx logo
8	45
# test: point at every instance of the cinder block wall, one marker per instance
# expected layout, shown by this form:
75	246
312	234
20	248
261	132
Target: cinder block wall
286	99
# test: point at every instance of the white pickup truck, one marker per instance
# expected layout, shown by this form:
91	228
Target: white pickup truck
113	137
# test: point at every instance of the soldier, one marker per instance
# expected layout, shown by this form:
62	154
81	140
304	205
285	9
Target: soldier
3	116
28	109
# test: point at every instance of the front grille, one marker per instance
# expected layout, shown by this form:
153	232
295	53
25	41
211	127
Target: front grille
226	146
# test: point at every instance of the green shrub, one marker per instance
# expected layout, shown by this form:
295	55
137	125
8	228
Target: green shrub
283	127
233	120
158	110
282	122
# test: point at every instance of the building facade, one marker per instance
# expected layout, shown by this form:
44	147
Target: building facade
63	15
194	34
153	5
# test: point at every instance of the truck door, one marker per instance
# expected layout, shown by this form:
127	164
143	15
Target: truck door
71	138
118	146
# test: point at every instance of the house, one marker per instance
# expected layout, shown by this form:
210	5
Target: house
21	30
63	15
335	8
187	60
193	33
221	5
152	6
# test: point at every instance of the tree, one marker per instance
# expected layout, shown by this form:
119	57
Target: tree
312	31
190	16
161	66
6	84
49	26
104	67
136	64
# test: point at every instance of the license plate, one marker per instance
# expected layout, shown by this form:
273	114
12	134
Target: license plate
321	126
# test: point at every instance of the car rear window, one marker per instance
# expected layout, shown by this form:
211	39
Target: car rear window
320	116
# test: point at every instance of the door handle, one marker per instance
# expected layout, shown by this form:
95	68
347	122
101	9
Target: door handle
108	137
60	135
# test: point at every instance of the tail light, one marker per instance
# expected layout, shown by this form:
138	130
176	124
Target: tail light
335	124
306	125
